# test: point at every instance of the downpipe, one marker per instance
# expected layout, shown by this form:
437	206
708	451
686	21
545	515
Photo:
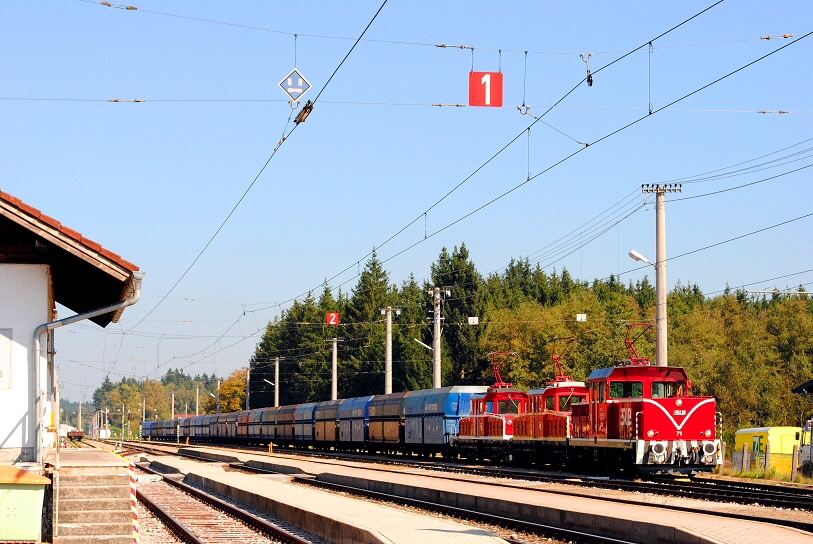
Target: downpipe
39	396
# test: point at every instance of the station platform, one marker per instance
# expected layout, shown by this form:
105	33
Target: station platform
334	517
91	497
529	501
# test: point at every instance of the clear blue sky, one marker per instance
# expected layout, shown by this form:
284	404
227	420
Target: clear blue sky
153	181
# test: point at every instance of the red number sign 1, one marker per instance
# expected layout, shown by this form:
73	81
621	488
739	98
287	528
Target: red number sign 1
332	318
485	89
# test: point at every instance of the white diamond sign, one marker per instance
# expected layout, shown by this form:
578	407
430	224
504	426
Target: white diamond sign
294	85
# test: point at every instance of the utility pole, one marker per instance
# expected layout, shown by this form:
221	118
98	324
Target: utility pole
388	348
197	395
122	422
660	266
334	367
436	293
79	417
248	389
173	405
144	409
276	381
218	395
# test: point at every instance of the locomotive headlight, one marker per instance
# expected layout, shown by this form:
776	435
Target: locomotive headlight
678	402
650	434
707	434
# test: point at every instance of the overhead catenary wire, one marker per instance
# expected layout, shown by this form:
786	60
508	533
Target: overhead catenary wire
422	44
609	135
274	152
500	151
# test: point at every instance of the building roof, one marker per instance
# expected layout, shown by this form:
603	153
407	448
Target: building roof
85	275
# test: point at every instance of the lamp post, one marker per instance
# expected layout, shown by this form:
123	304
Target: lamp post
387	312
660	307
276	395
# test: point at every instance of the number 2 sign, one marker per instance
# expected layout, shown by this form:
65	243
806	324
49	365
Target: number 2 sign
332	318
485	89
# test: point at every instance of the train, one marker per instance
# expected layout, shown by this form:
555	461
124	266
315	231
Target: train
633	416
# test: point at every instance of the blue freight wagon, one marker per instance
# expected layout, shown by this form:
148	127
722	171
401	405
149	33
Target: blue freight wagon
431	416
353	417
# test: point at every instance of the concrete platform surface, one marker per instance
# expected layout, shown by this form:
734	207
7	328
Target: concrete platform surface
84	457
335	517
645	524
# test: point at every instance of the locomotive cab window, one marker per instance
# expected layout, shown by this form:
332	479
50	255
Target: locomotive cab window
549	403
489	407
622	390
508	407
565	402
663	390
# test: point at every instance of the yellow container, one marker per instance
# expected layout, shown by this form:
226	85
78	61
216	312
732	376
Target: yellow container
781	439
21	495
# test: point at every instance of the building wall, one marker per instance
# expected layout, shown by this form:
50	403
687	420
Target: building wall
25	303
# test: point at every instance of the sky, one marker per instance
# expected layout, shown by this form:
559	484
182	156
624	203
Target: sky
159	181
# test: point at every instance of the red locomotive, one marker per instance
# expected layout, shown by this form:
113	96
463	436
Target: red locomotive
543	433
643	415
630	415
488	432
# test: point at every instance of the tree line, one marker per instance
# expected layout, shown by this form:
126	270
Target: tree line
747	352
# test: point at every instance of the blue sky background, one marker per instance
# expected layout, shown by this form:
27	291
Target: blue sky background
153	181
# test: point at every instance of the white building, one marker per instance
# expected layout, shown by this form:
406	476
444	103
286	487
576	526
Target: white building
42	262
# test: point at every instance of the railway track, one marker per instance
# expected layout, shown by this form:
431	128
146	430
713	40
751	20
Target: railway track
712	490
747	493
197	517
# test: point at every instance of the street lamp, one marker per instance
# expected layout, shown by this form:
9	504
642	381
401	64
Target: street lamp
430	348
638	257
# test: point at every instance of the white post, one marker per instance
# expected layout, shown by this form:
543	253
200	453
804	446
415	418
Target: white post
218	395
436	381
334	386
388	350
248	389
661	325
173	405
276	381
197	396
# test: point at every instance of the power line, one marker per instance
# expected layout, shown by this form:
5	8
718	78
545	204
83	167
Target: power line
400	104
503	148
284	138
741	186
769	279
423	44
506	193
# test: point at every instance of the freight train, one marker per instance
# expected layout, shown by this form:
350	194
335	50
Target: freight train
630	416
